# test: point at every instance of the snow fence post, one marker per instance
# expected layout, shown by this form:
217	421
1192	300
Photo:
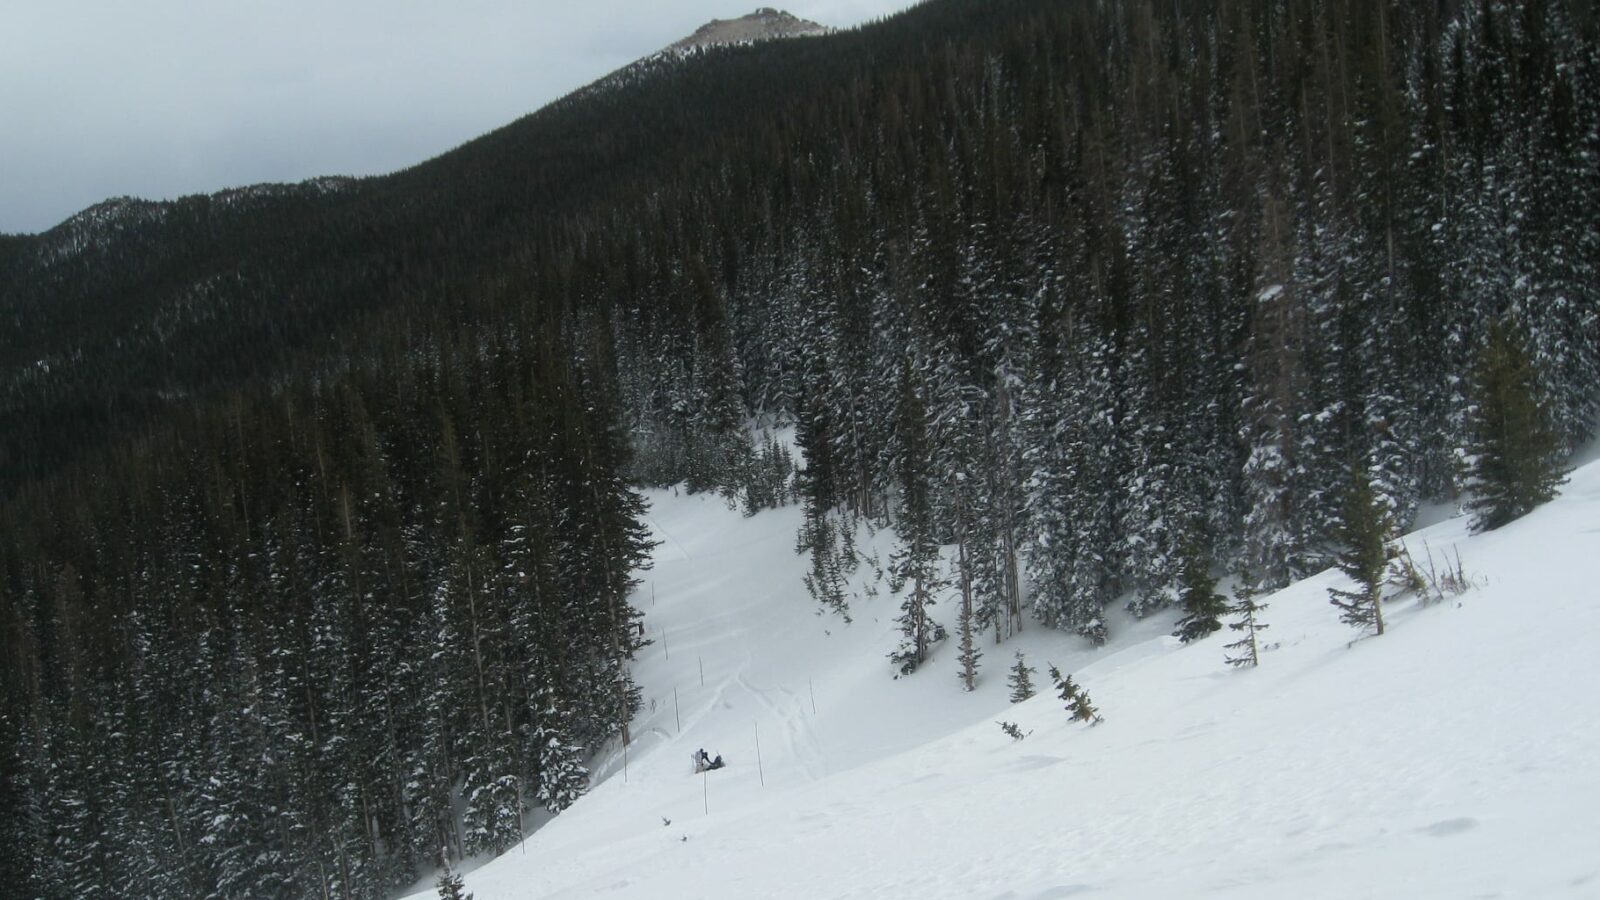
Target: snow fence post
676	718
760	769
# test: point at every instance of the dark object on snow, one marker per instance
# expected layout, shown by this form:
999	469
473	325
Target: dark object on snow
716	763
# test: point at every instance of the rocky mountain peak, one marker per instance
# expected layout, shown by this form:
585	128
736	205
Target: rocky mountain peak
764	24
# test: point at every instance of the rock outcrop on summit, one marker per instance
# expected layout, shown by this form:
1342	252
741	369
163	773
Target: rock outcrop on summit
764	24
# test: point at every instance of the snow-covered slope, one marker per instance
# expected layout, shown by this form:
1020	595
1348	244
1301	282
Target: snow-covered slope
1456	756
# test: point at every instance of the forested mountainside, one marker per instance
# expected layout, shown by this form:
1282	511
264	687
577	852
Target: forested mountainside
317	498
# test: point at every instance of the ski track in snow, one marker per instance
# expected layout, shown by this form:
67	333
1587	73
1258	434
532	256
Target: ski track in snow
800	741
667	536
1457	756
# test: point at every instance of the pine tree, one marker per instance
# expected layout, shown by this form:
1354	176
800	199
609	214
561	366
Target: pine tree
966	626
830	551
718	446
1272	479
428	763
916	565
1364	556
1075	698
766	484
1071	515
1203	606
826	580
452	886
562	775
1021	681
1516	452
1246	651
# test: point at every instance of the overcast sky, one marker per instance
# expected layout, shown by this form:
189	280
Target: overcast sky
161	98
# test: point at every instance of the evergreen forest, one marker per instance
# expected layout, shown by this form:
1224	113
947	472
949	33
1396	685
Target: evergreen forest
320	502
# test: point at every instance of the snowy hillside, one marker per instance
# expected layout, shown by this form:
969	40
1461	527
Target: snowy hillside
1456	756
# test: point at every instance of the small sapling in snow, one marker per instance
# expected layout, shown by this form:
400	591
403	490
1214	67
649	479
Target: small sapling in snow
1076	698
1246	651
1021	680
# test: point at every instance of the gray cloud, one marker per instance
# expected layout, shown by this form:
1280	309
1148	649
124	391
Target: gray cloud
161	98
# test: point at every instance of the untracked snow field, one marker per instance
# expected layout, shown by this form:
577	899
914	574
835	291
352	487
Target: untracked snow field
1457	756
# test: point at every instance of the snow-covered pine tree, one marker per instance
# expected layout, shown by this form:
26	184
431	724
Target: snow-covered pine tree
1006	319
428	757
1021	680
76	865
22	834
819	484
1517	454
251	857
719	449
1071	516
1149	507
452	886
1275	399
917	563
1363	556
956	424
1203	606
562	775
766	484
1162	373
492	819
966	626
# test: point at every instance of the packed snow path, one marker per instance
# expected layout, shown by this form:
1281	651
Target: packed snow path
1456	756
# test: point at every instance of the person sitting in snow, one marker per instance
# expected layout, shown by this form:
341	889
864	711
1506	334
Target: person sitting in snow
704	763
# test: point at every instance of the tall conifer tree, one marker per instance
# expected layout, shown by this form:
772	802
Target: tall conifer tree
917	564
1364	531
1516	461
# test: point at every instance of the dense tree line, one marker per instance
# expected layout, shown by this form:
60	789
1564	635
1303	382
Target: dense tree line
317	643
1166	283
318	526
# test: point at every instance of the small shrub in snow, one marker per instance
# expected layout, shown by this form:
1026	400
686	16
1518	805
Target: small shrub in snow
1012	731
1433	582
